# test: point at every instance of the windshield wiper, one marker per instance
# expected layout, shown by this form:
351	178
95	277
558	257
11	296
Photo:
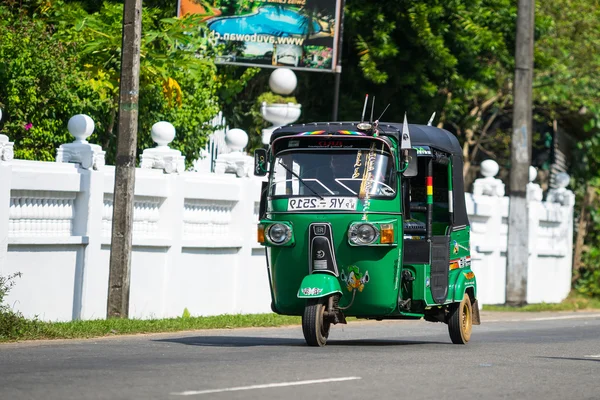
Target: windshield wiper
300	179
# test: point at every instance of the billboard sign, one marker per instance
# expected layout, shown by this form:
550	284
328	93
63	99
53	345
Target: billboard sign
298	34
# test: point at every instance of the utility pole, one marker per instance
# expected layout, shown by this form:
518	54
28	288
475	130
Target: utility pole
518	213
120	250
338	61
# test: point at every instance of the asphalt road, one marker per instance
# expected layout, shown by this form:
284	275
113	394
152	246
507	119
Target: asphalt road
510	356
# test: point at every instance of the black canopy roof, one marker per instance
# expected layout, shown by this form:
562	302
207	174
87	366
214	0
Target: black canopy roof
420	135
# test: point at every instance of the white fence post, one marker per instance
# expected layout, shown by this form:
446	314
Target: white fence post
487	207
6	155
171	210
252	285
90	294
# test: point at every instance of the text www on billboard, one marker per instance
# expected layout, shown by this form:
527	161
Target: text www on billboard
259	38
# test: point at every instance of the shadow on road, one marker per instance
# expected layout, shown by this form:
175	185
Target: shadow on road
380	342
233	341
251	341
572	358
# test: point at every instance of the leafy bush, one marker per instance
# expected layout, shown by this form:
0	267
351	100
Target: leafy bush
41	87
12	324
588	283
6	283
62	58
272	98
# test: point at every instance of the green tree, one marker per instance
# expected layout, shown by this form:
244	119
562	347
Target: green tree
82	61
40	86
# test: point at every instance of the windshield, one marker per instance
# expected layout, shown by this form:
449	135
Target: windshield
356	172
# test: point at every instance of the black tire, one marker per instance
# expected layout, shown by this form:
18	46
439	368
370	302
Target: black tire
460	321
314	326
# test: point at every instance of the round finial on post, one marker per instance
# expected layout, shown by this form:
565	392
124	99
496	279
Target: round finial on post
532	173
283	81
236	139
163	133
81	127
489	168
562	180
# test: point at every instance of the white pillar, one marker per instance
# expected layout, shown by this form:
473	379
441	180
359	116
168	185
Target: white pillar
282	81
89	156
89	208
235	162
6	156
5	185
171	223
92	276
488	238
162	156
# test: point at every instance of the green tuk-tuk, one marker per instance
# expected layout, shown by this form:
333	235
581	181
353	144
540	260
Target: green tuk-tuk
366	220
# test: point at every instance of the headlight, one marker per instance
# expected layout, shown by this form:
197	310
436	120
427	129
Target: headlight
279	233
363	233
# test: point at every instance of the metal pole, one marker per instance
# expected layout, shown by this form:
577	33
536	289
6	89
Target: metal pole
336	96
518	214
120	251
338	60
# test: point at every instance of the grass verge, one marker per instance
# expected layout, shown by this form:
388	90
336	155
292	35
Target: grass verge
35	330
24	329
571	303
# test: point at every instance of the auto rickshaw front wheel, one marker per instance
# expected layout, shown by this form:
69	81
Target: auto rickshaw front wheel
315	326
460	321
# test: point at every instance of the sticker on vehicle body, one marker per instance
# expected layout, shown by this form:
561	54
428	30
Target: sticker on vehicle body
462	262
354	279
311	291
327	203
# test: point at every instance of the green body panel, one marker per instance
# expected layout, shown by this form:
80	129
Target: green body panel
460	250
457	281
290	265
377	296
319	285
464	282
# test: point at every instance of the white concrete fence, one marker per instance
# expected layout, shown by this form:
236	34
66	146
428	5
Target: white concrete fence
194	240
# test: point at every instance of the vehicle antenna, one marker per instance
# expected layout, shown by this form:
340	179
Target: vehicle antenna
378	119
372	109
362	119
431	119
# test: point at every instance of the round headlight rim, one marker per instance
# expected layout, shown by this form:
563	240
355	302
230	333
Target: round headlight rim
354	229
286	238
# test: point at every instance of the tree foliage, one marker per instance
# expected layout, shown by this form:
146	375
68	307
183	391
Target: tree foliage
41	86
175	84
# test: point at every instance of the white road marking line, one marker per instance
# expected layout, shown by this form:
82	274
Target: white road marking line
265	386
544	318
594	356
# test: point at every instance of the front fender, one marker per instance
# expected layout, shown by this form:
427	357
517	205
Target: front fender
465	280
318	285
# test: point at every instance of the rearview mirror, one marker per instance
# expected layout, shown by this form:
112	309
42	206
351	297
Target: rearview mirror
260	162
412	169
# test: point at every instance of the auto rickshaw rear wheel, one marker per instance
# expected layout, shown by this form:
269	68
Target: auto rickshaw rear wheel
315	326
460	321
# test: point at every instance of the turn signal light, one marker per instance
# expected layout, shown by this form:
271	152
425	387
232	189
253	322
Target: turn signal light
260	234
386	233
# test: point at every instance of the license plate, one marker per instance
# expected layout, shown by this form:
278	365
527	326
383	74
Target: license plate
328	203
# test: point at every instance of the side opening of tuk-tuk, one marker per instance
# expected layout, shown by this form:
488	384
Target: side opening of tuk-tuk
436	261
